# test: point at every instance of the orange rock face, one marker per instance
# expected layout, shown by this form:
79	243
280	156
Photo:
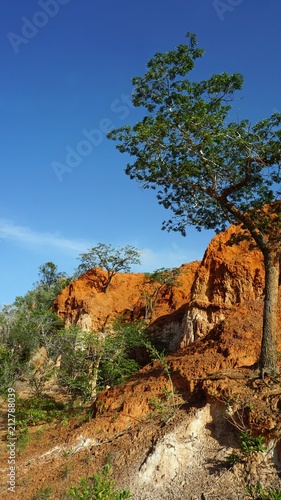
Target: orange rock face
84	303
230	274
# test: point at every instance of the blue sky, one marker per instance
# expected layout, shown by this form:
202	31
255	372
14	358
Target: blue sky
66	71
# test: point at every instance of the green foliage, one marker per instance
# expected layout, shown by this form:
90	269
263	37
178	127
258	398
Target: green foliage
259	493
34	410
163	276
114	373
158	356
29	324
234	458
250	443
64	472
22	332
9	368
89	361
92	360
163	405
207	169
100	486
167	403
111	259
23	439
79	355
49	275
45	291
43	494
121	348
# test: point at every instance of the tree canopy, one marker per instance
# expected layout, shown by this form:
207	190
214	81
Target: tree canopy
208	169
111	259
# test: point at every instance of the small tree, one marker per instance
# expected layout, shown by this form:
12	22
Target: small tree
158	280
49	275
111	259
208	170
92	360
50	284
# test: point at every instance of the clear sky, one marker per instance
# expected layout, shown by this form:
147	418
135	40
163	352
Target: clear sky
66	70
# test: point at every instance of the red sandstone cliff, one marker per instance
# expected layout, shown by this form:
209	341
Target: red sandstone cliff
229	274
83	302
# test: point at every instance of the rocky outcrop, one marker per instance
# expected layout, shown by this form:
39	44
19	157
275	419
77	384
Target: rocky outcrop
85	304
230	273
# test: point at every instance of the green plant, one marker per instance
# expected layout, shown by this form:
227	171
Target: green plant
163	404
258	493
66	453
64	472
161	357
250	443
38	377
9	369
93	360
99	486
158	280
233	458
33	411
43	494
23	440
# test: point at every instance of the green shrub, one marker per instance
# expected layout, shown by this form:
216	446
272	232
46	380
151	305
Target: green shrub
98	487
250	443
258	493
37	410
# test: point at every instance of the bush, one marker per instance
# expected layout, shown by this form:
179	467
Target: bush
100	486
37	410
258	493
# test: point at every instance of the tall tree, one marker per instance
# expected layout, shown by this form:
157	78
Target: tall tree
208	170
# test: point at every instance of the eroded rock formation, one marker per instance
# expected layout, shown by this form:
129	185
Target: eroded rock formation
84	303
231	273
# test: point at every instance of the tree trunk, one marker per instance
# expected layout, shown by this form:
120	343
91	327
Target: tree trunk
93	378
268	356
